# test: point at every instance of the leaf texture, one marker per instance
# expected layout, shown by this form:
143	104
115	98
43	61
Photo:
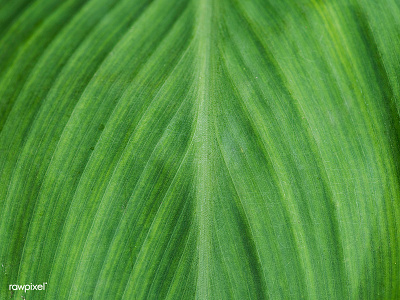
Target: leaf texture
200	149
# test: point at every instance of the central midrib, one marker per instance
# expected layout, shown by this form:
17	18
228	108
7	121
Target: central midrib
204	146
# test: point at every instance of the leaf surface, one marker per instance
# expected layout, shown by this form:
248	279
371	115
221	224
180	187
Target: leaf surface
159	149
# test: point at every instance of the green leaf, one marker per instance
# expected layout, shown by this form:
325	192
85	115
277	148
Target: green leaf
208	149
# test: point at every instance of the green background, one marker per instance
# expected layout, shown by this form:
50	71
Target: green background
208	149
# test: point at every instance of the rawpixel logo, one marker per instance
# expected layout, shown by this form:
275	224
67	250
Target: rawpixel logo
27	287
